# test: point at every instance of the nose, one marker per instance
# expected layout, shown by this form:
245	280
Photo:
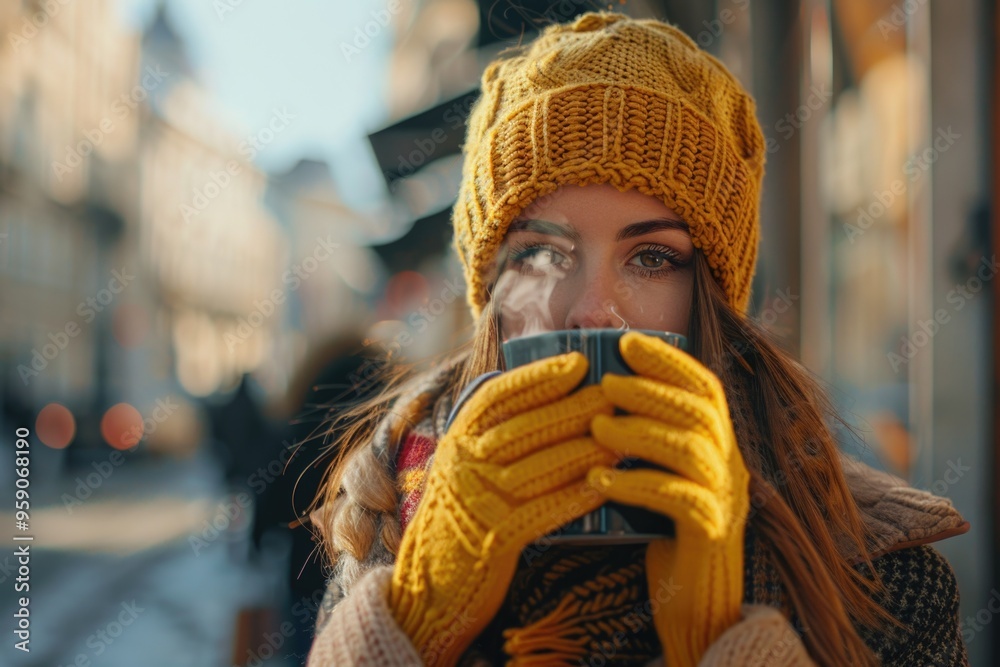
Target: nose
594	307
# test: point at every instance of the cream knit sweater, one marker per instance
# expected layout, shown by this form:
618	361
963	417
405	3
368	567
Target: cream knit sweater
362	631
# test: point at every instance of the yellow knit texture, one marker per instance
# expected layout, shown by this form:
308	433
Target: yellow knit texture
609	99
511	469
677	418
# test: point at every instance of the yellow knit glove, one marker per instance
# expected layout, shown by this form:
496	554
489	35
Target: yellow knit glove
511	469
678	419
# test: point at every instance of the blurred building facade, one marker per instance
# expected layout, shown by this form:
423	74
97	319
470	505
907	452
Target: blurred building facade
213	250
69	123
137	253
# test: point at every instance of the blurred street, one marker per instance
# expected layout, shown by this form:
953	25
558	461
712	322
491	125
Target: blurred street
119	577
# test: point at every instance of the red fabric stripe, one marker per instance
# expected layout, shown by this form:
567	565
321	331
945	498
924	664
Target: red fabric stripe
408	508
415	452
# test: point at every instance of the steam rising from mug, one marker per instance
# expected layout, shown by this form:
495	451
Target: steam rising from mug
525	301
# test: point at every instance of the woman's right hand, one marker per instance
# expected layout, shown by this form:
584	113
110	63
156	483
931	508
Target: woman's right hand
511	469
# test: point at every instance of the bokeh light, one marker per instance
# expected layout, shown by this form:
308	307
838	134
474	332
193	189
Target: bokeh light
405	289
55	426
121	426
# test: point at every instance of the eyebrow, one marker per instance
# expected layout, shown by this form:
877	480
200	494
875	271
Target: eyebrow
545	227
650	226
628	232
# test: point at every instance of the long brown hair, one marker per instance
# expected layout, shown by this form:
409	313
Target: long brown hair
801	506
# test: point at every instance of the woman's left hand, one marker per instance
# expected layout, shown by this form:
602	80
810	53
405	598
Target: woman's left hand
678	419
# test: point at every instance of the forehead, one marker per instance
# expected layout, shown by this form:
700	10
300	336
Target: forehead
596	201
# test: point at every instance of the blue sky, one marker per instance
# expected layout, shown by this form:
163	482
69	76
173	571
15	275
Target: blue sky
265	55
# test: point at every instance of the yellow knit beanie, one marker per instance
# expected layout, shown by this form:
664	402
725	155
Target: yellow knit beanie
610	99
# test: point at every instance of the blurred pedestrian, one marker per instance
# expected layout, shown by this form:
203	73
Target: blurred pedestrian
324	385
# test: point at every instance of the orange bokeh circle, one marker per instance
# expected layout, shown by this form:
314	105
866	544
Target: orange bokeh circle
121	426
55	426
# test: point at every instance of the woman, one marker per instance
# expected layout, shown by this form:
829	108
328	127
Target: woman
612	177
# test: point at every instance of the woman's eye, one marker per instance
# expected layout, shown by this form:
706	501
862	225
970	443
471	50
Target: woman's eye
652	260
540	260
